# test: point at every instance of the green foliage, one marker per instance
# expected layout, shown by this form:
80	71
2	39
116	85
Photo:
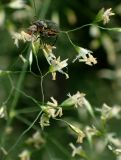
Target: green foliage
53	106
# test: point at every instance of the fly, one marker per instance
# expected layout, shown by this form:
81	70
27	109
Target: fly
44	29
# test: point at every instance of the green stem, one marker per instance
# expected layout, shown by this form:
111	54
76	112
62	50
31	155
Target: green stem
70	39
76	29
25	121
23	93
16	98
28	110
42	78
61	148
21	136
116	29
20	82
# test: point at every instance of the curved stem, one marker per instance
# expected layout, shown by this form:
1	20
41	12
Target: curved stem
24	132
116	29
19	86
43	97
76	29
70	39
16	96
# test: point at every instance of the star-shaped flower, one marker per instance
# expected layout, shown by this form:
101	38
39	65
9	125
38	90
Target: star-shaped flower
85	55
23	36
57	66
107	14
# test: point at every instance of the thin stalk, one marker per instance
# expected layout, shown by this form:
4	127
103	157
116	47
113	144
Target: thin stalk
16	97
25	121
70	40
42	14
42	78
20	83
115	29
21	136
76	29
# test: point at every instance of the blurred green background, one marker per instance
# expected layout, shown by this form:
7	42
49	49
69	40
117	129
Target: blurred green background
101	83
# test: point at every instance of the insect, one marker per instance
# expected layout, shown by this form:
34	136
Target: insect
45	29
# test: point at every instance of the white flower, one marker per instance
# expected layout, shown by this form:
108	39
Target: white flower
21	36
54	103
47	50
91	131
57	66
105	112
110	112
51	110
107	14
116	151
77	99
36	140
85	55
55	110
112	139
44	120
17	4
22	58
76	150
116	112
3	112
79	132
24	155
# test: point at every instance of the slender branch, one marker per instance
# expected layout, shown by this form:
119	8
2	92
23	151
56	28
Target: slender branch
24	132
76	29
16	96
42	78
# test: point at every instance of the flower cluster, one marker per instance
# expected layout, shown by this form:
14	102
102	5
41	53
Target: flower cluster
24	155
85	55
91	131
110	112
51	110
36	139
76	150
48	53
106	15
76	100
56	66
17	4
79	132
114	145
23	36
